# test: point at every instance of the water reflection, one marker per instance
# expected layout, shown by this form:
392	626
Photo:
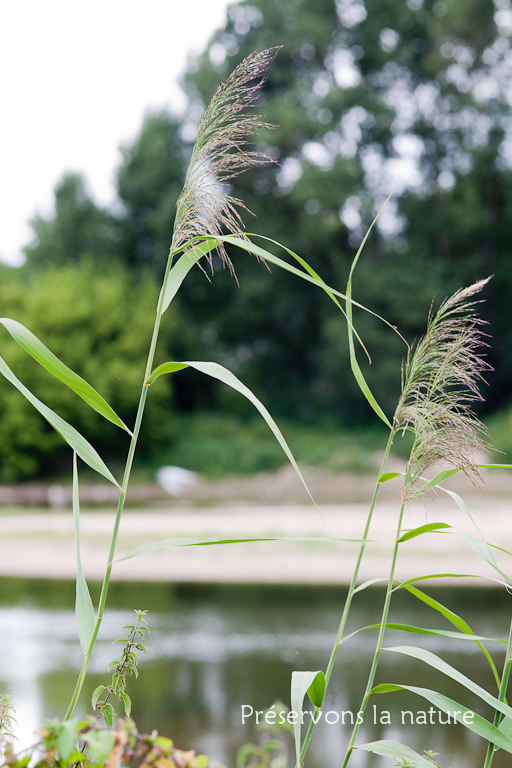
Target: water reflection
213	649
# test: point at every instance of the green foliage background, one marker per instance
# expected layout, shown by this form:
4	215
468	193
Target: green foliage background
98	321
358	87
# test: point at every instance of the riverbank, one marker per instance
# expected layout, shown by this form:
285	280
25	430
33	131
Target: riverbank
41	543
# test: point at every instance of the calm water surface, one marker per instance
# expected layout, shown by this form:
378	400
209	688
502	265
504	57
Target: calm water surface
213	649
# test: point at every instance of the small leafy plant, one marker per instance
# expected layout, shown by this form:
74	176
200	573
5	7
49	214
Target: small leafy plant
122	668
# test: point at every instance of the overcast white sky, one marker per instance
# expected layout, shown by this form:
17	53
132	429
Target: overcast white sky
76	77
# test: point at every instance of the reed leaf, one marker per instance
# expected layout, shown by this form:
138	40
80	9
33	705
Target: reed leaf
84	610
460	713
72	437
202	542
302	683
36	349
442	666
387	748
220	373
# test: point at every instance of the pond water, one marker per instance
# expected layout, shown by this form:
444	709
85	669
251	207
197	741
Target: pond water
214	649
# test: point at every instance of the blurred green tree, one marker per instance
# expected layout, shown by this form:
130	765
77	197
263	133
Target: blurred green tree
368	96
97	319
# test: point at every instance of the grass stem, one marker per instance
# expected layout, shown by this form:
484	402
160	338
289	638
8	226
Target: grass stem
380	639
501	696
122	494
350	594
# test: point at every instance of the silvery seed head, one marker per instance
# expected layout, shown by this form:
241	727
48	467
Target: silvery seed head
440	381
221	151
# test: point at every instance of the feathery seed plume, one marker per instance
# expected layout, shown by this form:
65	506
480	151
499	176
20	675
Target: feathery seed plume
220	153
439	382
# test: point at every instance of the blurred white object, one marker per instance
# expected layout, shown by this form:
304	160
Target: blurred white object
175	480
56	496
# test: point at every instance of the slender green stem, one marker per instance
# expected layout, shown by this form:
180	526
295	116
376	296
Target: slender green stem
501	696
122	494
350	594
380	639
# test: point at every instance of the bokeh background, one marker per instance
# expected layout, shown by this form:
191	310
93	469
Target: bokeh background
101	103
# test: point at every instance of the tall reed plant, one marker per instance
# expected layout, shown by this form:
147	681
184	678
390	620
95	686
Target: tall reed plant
208	219
441	375
440	382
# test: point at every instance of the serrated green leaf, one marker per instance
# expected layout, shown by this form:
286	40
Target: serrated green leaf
84	609
67	738
79	444
300	685
421	530
140	647
469	719
127	704
108	713
100	743
397	751
96	695
222	374
36	349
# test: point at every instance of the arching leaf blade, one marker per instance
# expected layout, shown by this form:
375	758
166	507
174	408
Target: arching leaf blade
72	437
454	619
84	610
217	371
428	528
466	717
36	349
201	542
436	662
180	270
303	682
393	749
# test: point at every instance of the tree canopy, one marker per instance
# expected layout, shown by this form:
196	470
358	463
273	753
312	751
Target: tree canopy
370	97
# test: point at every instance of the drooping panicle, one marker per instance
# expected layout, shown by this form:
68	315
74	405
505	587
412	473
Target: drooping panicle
221	151
439	382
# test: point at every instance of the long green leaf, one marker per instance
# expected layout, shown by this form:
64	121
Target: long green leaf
367	584
79	444
302	683
314	274
201	542
356	370
422	631
421	530
180	270
252	248
386	476
402	584
398	751
437	663
469	719
456	620
220	373
56	367
84	610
